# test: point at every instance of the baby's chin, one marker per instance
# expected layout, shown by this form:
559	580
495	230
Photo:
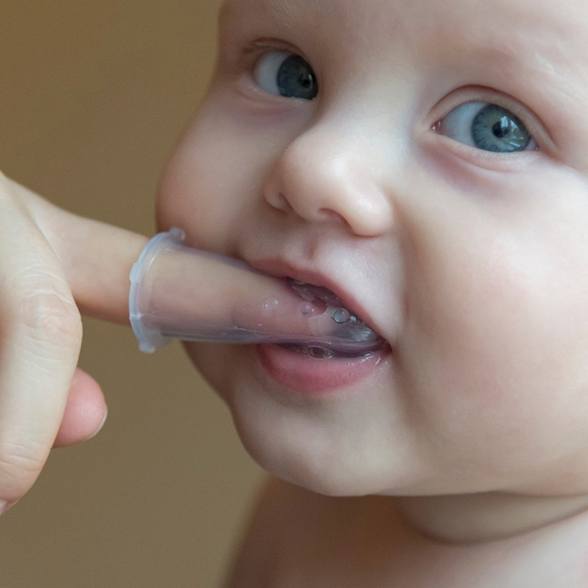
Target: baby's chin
333	471
300	463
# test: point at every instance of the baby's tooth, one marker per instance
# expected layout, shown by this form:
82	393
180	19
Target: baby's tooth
320	352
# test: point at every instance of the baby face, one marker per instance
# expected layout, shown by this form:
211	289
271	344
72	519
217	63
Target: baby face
427	162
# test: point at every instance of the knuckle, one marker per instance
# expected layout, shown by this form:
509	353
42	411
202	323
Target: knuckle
47	310
51	318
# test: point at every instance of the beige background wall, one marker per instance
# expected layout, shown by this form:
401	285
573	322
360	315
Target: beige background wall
92	98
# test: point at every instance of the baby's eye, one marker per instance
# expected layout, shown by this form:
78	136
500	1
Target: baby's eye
488	127
286	74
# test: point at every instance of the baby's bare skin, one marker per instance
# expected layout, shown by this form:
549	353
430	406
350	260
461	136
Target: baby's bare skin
299	538
438	173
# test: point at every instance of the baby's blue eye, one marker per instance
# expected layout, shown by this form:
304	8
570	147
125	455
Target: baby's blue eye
285	74
488	127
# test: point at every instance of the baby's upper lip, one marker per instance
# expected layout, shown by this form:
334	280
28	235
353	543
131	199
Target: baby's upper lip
282	268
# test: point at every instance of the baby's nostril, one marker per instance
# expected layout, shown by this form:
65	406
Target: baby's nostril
284	202
332	216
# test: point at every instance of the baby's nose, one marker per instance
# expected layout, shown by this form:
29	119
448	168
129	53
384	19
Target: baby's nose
323	178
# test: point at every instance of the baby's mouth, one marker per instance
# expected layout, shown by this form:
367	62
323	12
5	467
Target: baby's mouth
360	340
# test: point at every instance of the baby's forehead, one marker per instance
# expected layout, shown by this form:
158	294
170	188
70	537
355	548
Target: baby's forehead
563	15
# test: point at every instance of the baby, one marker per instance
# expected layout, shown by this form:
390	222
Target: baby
425	161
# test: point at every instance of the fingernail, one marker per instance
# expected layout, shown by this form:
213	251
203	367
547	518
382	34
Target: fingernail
3	506
99	428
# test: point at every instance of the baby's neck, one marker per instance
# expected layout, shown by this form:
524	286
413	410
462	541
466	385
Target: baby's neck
477	518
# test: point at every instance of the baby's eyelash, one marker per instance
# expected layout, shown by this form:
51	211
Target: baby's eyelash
253	50
238	58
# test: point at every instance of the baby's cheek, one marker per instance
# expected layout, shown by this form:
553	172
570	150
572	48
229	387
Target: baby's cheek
215	363
188	199
202	188
502	373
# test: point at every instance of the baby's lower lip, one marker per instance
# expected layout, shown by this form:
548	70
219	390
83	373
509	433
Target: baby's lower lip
310	376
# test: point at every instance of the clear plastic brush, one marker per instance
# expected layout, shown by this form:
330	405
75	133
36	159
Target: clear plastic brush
178	292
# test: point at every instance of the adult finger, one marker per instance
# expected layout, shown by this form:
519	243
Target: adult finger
85	412
96	257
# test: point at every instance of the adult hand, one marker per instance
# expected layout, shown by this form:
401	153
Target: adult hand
54	265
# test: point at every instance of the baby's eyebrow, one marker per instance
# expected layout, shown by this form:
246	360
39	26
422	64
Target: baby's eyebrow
287	15
274	9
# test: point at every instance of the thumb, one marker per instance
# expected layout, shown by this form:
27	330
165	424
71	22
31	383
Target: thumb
85	412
